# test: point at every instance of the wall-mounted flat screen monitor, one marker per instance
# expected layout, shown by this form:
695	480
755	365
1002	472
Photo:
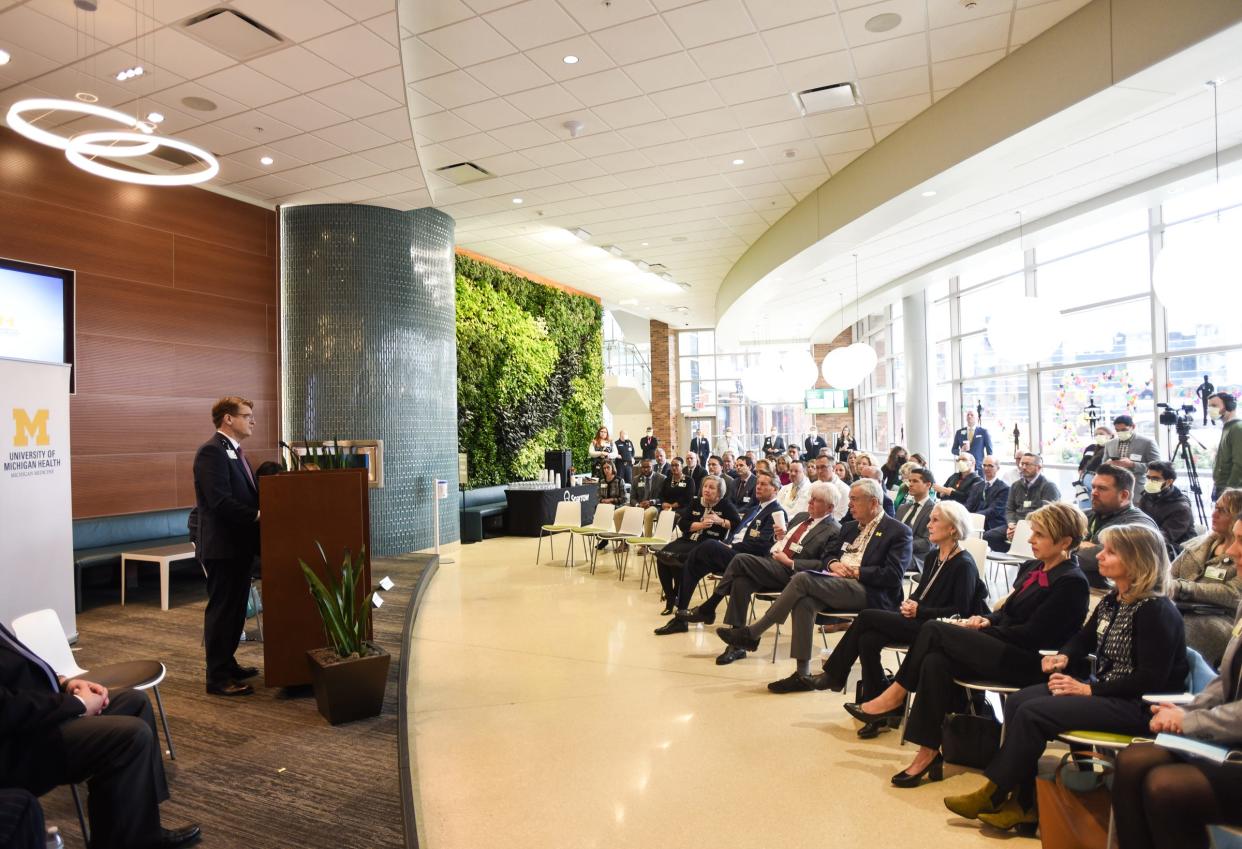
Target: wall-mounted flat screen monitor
36	313
827	401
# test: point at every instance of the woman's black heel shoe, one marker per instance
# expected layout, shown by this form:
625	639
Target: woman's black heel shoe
934	772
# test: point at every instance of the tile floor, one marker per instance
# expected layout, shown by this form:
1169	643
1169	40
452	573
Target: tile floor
546	714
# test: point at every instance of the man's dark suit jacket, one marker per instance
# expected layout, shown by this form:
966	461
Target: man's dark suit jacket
743	494
992	505
884	561
227	503
918	528
760	533
967	490
32	753
639	492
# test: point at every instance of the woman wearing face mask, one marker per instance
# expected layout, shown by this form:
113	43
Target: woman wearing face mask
891	470
963	486
1093	454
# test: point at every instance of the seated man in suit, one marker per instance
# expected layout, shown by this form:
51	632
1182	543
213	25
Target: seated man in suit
661	464
742	492
963	486
872	473
645	494
55	731
754	534
1112	489
863	569
715	468
995	495
1027	494
916	511
694	469
800	546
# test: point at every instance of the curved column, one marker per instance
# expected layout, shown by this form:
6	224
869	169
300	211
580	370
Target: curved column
369	351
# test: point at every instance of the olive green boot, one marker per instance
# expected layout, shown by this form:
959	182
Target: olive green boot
972	805
1009	815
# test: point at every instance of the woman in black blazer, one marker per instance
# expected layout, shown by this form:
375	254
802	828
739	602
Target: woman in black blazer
949	586
845	444
1139	644
1047	606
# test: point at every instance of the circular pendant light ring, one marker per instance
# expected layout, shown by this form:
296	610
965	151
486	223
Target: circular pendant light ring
79	147
17	121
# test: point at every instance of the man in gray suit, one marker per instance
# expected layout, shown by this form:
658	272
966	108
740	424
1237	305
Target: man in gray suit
1129	450
916	511
802	545
645	494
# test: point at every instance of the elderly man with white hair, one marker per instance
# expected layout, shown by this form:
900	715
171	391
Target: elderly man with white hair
862	569
802	545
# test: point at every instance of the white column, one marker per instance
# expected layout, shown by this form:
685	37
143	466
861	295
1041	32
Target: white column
919	412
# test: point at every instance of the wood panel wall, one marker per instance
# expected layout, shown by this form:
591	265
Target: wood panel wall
177	305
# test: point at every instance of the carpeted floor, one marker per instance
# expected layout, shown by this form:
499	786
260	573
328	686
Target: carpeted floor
263	771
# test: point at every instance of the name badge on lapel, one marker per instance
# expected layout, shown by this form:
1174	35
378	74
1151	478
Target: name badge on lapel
1027	503
746	500
754	532
1136	457
1102	626
232	454
1214	573
795	547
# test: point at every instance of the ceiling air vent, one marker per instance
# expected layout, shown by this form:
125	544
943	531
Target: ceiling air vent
233	33
826	98
464	172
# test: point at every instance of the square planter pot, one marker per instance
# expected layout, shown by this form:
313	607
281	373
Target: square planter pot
350	689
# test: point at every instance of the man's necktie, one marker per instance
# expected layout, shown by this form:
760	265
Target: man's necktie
246	466
17	646
795	537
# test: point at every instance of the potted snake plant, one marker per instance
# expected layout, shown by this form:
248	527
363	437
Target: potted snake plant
350	675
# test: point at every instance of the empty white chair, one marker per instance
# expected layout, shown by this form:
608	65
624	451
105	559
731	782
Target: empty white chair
631	528
661	536
977	521
568	516
602	523
978	549
1020	545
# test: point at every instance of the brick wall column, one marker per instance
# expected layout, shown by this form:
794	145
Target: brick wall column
664	384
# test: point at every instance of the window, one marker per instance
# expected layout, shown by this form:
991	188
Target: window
1106	273
979	305
1116	388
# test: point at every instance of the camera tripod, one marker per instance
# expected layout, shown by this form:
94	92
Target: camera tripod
1182	452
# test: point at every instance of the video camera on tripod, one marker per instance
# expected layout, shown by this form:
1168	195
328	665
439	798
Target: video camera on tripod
1180	418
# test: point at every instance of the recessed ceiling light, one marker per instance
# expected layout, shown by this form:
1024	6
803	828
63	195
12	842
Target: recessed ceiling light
155	117
930	193
517	200
266	160
646	243
130	73
883	22
4	57
739	162
87	97
570	60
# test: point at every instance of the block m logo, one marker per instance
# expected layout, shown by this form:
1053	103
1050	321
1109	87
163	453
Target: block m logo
26	426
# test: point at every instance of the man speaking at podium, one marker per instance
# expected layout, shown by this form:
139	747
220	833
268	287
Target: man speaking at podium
227	499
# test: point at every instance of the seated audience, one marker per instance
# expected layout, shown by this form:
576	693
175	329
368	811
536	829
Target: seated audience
661	464
794	494
861	460
903	491
1026	495
1205	583
1047	606
916	512
1012	476
995	496
742	493
963	486
729	461
1132	644
825	471
715	469
1167	505
794	453
678	489
890	472
843	472
872	473
1164	798
1111	490
645	496
55	731
862	569
1092	457
949	585
707	517
611	487
753	533
799	547
782	470
21	821
694	469
1128	449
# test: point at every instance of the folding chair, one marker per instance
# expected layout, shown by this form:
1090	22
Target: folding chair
664	532
601	523
631	527
42	633
978	549
977	521
568	516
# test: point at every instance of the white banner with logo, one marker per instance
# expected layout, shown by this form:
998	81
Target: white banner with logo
36	509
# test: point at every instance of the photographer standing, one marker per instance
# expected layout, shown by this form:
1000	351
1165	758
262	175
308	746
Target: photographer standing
1223	408
1129	450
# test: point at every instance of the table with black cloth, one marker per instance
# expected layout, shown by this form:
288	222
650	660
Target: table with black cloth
531	509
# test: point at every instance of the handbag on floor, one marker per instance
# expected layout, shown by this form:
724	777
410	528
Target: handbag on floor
970	740
1074	804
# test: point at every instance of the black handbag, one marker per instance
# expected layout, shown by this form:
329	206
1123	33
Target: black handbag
970	740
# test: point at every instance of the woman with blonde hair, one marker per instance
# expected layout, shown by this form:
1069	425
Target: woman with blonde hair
1206	586
1047	606
782	469
1139	645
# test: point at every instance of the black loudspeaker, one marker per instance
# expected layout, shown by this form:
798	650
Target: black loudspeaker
559	462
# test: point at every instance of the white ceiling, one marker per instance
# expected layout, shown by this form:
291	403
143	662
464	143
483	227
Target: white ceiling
370	95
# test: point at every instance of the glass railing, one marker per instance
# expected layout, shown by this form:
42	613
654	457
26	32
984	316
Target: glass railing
624	359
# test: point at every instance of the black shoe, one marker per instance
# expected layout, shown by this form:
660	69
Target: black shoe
668	610
739	638
729	655
672	626
229	688
796	683
601	545
697	614
174	837
241	673
934	772
862	716
823	682
871	730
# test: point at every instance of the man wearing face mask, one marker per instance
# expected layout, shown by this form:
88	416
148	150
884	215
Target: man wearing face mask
1129	450
963	486
648	445
1227	472
1167	506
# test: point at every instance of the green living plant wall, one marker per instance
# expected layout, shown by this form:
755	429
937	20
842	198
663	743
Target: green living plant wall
529	373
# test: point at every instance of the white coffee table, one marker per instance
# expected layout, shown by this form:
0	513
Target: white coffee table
163	555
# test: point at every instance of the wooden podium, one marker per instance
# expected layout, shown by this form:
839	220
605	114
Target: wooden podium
298	509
